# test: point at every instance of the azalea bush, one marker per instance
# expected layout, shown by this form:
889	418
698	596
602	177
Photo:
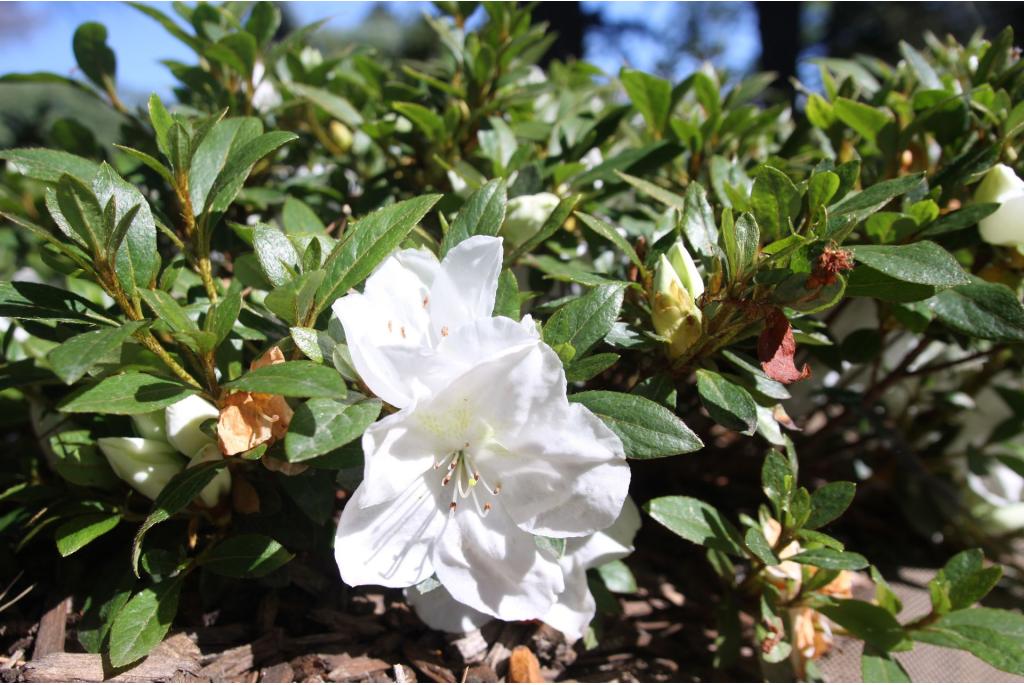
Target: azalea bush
427	318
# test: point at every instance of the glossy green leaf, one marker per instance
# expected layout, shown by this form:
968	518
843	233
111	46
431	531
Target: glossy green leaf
131	392
647	429
76	355
728	404
249	555
75	534
323	425
585	320
695	521
482	214
299	378
143	622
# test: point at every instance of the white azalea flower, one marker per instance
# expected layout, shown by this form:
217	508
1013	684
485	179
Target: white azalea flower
183	420
146	465
411	303
1005	226
999	494
487	451
574	608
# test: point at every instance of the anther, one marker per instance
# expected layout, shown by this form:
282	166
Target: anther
444	331
452	506
402	331
487	507
390	327
426	301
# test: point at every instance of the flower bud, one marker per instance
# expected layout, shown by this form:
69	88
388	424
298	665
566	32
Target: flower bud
151	426
996	499
1005	226
674	310
341	134
526	215
220	486
146	465
184	420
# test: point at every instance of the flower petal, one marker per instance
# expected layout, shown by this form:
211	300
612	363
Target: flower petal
466	285
564	477
398	451
488	563
439	610
390	543
574	609
184	419
146	465
614	542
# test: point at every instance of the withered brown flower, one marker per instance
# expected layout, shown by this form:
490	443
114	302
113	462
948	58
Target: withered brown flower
249	419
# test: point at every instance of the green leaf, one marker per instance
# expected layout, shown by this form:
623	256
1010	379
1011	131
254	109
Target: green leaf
132	392
239	165
167	310
179	492
611	235
248	555
923	263
551	225
161	120
880	667
831	559
275	253
657	192
506	301
73	358
980	309
698	221
870	623
777	480
729	404
236	50
992	635
210	160
922	69
820	112
299	219
75	534
49	165
821	188
483	214
263	22
866	120
427	120
829	502
741	241
582	370
647	429
220	320
617	577
759	546
137	259
79	214
79	461
94	56
144	621
651	95
965	580
774	201
695	521
323	425
367	243
299	378
294	300
857	207
960	219
335	105
586	320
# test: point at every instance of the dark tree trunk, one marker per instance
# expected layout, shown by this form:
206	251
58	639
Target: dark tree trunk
779	25
570	22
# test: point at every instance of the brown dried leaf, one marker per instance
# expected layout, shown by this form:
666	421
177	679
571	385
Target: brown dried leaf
776	348
523	666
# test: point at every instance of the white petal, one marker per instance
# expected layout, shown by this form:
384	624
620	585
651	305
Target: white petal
146	465
574	609
220	486
183	419
439	610
380	354
390	543
466	285
152	426
491	565
614	542
1005	226
398	450
565	476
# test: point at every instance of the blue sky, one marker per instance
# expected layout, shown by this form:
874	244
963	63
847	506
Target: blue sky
37	37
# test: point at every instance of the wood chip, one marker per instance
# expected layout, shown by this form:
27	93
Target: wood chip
173	660
278	673
356	668
470	648
523	666
234	662
52	629
404	674
429	663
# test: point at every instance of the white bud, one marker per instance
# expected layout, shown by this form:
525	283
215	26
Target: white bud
184	419
685	267
526	215
146	465
220	486
151	426
1005	226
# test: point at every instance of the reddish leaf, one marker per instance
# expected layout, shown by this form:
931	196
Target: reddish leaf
776	347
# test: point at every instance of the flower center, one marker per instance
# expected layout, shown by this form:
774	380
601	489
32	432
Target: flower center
462	473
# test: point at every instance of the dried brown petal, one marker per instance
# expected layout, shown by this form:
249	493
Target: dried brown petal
776	348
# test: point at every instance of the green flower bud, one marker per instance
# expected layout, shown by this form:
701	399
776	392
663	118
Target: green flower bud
146	465
526	215
341	134
685	268
673	310
1005	226
151	426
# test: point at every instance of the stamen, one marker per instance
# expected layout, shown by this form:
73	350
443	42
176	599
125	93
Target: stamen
390	327
444	331
487	507
426	301
402	331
